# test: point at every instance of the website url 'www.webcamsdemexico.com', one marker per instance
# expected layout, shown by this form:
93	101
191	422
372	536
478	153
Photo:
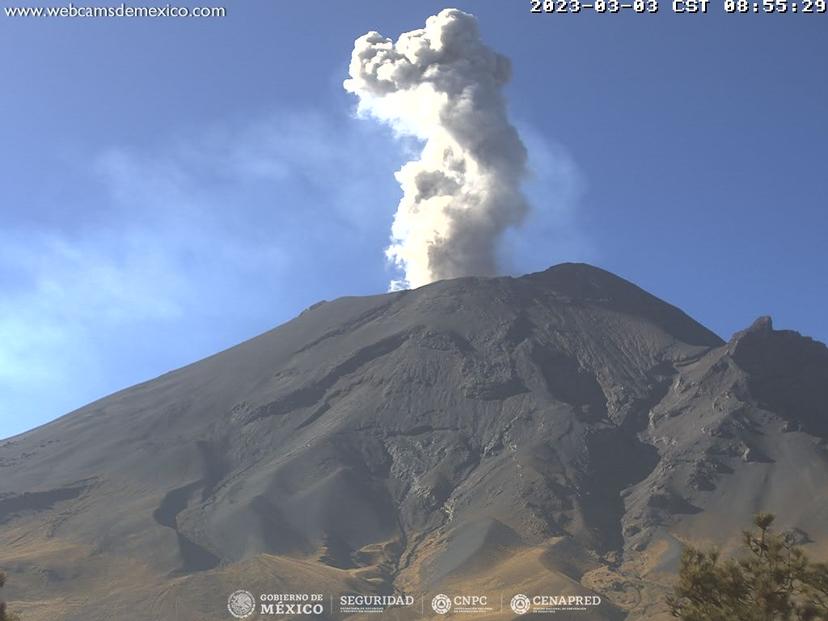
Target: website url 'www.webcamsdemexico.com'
72	10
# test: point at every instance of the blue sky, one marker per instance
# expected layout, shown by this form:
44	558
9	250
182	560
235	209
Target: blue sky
171	187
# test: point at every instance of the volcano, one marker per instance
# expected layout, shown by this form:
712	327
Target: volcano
560	433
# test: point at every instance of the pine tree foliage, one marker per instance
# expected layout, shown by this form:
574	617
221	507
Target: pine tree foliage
5	615
773	581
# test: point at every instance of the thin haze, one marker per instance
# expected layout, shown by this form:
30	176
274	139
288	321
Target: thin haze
443	86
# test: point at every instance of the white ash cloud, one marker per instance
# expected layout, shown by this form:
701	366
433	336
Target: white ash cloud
442	85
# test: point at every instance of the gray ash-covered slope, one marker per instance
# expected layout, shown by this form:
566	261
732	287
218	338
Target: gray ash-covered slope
742	429
562	430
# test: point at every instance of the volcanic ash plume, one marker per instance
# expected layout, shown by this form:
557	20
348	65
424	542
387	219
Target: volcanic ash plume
442	85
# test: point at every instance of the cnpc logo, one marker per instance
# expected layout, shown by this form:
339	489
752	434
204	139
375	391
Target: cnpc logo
442	604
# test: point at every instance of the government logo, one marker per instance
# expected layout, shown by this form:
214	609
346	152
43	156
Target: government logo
241	604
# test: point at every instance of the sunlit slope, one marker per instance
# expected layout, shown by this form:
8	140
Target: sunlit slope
562	430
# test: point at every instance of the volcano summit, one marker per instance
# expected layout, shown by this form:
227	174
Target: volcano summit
561	433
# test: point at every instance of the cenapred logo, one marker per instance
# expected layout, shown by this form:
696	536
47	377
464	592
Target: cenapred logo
241	604
551	604
520	604
441	604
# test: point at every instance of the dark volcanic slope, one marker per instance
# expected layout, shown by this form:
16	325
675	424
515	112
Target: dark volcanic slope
564	426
